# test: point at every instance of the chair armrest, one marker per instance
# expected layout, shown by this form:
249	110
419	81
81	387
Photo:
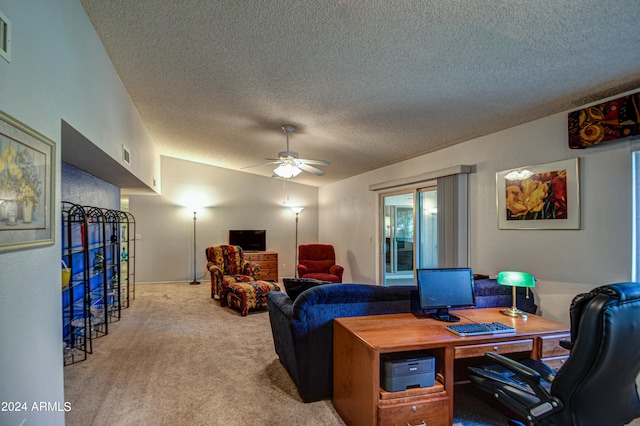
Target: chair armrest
250	268
213	268
529	375
567	344
525	373
336	270
302	270
217	278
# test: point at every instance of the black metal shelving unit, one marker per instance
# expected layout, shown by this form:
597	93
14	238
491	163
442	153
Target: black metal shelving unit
112	263
97	281
99	248
76	337
127	258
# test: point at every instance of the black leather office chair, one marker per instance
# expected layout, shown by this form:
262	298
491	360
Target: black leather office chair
597	384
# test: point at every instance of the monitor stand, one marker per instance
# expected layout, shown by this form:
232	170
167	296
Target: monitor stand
443	315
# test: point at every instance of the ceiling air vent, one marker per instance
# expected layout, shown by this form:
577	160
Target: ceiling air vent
5	37
126	155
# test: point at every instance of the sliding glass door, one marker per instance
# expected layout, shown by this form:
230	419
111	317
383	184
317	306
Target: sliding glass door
398	242
424	226
428	228
402	251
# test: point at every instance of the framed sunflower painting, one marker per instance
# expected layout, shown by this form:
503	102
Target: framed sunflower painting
545	196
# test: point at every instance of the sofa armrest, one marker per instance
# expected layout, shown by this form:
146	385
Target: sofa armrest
281	304
280	308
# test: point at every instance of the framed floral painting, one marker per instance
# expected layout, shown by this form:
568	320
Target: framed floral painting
545	196
27	172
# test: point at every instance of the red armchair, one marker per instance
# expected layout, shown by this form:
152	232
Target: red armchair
318	261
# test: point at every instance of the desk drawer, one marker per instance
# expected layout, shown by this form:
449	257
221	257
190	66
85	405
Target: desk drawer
472	351
555	362
433	412
551	346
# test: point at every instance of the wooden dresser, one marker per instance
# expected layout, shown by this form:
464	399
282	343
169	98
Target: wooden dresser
268	261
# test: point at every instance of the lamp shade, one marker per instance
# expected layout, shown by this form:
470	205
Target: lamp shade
516	279
287	170
296	209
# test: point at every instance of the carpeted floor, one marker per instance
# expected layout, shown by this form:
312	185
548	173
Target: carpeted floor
177	358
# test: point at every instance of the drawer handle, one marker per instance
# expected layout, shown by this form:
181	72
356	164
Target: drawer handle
420	424
495	349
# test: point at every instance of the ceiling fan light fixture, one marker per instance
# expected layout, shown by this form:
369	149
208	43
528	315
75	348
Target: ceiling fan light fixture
287	170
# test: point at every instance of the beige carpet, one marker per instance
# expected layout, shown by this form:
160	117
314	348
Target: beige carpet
177	358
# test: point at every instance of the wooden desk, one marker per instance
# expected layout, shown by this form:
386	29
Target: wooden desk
358	343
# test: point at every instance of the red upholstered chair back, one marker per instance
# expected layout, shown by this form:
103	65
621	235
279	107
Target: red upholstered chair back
318	258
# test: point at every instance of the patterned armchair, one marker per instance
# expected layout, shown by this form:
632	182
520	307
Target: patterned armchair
227	265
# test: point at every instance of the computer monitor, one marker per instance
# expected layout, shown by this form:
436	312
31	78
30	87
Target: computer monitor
445	288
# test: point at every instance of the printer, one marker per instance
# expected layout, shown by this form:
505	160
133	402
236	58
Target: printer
402	372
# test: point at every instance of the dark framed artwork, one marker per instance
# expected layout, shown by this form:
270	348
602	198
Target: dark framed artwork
27	174
544	196
610	121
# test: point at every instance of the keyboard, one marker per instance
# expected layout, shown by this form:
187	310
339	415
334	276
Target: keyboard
478	328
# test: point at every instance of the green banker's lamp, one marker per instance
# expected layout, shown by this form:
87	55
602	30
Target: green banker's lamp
515	279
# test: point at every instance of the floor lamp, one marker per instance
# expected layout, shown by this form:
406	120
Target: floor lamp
195	279
297	211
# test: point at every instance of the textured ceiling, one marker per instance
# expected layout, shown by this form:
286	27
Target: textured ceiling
366	82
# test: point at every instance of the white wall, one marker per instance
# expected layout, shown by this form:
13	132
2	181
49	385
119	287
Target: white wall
230	200
58	70
566	262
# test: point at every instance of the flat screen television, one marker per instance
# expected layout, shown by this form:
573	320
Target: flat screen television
444	288
249	239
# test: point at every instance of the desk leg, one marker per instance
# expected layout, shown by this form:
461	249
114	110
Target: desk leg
356	378
448	374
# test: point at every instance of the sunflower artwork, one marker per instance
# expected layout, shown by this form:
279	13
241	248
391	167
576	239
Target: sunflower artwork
541	196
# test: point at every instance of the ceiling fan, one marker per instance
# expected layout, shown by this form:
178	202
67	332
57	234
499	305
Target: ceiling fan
290	165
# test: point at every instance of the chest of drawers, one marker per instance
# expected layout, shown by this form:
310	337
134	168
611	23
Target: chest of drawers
268	261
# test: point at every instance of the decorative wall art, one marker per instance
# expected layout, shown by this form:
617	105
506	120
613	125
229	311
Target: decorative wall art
610	121
545	196
27	163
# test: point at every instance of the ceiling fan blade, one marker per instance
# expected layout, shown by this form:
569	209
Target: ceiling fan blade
311	169
261	164
316	162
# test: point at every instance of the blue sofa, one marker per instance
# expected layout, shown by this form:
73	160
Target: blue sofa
303	329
